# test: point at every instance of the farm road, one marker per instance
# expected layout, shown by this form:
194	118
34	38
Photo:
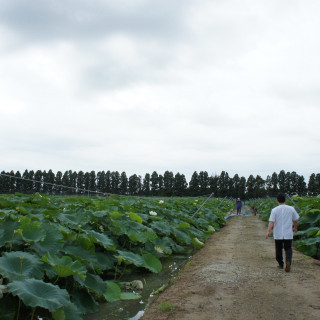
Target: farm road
235	276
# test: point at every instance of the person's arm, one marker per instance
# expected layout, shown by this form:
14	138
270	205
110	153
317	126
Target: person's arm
271	224
295	225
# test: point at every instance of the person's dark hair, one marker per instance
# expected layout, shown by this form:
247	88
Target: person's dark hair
281	198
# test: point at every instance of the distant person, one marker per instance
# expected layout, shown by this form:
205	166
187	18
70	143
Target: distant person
281	219
239	206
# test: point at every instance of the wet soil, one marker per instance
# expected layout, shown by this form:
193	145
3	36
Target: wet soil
235	276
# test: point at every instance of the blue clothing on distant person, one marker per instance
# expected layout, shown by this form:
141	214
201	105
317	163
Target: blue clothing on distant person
239	206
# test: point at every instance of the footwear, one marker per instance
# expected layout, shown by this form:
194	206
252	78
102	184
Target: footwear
280	267
288	265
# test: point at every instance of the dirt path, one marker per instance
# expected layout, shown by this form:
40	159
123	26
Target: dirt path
235	276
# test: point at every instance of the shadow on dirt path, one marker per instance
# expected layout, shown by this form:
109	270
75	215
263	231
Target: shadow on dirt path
235	276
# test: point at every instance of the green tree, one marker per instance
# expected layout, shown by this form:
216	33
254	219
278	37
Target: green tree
65	181
146	185
134	185
18	186
48	181
115	182
124	183
213	185
108	182
80	182
154	180
223	184
168	183
312	185
250	187
180	185
194	185
58	182
203	182
92	181
101	181
282	181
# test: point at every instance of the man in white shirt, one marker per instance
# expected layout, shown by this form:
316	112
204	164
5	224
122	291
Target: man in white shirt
281	219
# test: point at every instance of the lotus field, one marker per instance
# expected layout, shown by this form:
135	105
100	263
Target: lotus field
62	256
307	239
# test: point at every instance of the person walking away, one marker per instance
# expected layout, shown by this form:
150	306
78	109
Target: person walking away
281	219
239	206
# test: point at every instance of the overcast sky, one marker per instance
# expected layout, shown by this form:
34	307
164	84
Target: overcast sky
146	85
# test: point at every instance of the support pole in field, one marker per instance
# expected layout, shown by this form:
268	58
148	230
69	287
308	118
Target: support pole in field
202	205
298	209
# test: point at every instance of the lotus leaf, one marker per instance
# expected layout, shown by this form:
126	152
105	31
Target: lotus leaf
51	242
130	257
113	292
84	301
65	266
36	293
134	217
184	225
7	231
129	296
18	265
94	283
101	238
151	262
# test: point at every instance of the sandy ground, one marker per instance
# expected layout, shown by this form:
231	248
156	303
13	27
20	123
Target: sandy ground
235	276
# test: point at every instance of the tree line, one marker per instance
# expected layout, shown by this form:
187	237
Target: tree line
169	184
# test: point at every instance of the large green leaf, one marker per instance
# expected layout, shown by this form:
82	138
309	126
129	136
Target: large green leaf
31	230
20	265
130	257
84	301
94	283
151	262
36	293
101	238
52	241
65	266
7	231
113	292
7	307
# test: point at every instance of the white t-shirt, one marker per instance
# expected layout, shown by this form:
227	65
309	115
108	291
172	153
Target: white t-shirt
282	216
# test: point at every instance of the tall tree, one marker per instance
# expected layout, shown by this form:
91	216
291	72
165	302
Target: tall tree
115	182
80	182
124	183
250	187
146	185
312	185
213	185
101	181
92	181
48	181
203	182
134	185
180	185
168	182
154	180
194	186
65	181
108	182
282	181
58	181
18	187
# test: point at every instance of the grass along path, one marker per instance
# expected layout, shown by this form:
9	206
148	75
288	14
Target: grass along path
235	276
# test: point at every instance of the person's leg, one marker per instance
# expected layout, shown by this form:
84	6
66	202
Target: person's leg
279	255
288	252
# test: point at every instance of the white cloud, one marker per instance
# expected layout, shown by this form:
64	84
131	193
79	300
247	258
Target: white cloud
137	86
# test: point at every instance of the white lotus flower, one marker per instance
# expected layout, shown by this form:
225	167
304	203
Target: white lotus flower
152	213
161	202
158	249
101	229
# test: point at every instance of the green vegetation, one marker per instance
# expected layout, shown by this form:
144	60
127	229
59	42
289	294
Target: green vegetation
167	306
61	256
307	239
166	185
